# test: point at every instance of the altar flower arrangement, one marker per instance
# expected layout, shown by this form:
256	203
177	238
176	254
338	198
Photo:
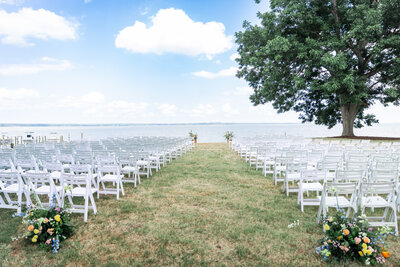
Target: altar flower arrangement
46	227
352	239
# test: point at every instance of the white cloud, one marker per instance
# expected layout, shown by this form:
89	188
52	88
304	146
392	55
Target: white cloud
240	91
12	2
203	110
144	12
173	31
168	109
93	97
87	1
8	94
234	56
17	27
95	103
17	99
227	108
46	64
230	72
124	107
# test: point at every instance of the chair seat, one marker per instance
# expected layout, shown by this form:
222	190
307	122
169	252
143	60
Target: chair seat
374	201
46	189
293	176
129	169
110	178
79	191
142	162
55	175
340	201
11	188
312	187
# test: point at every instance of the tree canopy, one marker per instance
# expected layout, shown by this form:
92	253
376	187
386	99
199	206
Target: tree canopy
328	60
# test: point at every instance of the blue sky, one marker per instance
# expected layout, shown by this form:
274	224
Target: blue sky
98	61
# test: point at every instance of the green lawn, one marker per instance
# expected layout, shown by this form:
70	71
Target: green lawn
206	208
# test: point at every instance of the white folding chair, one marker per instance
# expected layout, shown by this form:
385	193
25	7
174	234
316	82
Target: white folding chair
311	181
339	196
143	168
292	176
43	184
109	174
12	184
78	185
380	195
55	169
280	167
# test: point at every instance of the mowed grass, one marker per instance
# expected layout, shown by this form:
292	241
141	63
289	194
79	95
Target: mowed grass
206	208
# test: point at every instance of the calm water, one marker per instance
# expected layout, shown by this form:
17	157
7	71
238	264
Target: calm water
206	132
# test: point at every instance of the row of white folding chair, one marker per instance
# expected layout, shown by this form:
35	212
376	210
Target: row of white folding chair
12	189
372	196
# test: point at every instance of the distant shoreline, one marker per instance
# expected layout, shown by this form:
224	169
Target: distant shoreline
134	124
153	124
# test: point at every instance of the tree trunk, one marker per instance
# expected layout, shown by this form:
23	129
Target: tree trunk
349	112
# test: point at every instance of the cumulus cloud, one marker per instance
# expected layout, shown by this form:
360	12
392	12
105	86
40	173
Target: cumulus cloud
18	94
240	90
168	109
227	108
17	99
173	31
12	2
234	56
27	23
230	72
125	107
93	97
203	110
46	64
96	103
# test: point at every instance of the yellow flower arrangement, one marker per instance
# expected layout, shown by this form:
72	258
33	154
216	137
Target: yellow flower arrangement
34	240
36	231
360	252
326	227
57	218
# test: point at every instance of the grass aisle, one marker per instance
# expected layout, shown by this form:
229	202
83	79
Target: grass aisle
207	208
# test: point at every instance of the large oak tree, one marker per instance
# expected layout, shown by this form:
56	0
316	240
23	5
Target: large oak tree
328	60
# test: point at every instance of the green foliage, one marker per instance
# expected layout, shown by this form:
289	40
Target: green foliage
324	58
193	135
228	135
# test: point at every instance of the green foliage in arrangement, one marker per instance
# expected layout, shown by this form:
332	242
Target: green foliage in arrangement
353	239
228	135
328	60
193	135
46	226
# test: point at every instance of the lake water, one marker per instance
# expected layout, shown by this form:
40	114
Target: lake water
207	132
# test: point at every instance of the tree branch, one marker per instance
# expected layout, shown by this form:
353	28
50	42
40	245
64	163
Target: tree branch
336	15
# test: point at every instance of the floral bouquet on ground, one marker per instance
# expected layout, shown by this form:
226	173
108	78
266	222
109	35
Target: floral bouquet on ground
352	239
47	226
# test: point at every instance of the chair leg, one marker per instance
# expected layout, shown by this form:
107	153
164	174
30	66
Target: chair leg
93	203
85	216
